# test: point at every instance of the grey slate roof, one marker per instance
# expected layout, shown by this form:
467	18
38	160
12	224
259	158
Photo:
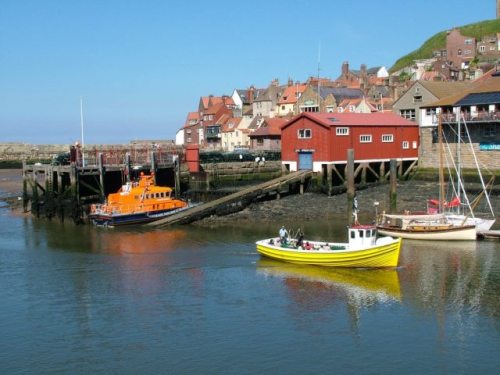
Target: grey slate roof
480	99
340	93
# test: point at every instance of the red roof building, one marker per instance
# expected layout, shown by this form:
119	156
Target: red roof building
314	140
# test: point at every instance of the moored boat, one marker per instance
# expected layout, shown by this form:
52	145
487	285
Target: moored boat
364	249
425	227
136	203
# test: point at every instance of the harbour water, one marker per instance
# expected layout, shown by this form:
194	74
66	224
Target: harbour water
189	299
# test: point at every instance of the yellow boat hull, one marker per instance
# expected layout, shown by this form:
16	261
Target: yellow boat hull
378	256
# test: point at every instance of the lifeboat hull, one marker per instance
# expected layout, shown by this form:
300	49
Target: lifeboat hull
113	220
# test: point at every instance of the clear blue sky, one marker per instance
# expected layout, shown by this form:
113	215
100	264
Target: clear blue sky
140	66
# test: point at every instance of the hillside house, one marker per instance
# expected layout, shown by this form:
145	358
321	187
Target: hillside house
474	113
268	136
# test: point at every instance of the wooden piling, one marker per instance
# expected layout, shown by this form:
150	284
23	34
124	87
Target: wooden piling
349	171
329	178
101	176
393	186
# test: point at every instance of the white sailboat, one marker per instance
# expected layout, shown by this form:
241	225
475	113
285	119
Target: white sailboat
435	226
463	212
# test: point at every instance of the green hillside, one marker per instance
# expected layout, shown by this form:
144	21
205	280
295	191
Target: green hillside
438	41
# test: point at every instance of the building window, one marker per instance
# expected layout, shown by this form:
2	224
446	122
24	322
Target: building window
387	138
342	131
408	114
468	41
430	112
417	99
414	144
282	107
310	109
406	145
188	140
489	131
365	138
482	48
304	133
260	141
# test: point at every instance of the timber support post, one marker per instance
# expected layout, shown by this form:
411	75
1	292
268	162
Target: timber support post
349	171
128	167
382	172
101	176
329	178
153	166
393	195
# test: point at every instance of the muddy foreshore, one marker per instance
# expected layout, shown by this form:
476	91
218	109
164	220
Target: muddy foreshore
411	195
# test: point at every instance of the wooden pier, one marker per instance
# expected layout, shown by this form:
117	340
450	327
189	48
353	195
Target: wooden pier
239	200
64	191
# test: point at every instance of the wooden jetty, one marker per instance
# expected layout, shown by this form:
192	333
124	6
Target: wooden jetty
68	190
239	200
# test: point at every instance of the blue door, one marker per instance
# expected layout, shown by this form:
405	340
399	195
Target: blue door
305	160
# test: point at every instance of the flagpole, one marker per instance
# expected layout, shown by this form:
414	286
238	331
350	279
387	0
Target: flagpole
81	126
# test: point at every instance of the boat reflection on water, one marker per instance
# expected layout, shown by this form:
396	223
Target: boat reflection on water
121	242
365	287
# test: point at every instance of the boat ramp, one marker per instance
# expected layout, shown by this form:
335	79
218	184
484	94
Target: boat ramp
239	200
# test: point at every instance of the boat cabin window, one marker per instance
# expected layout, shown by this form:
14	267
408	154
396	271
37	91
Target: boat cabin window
361	233
353	234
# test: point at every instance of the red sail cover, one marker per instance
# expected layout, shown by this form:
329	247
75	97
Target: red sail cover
433	204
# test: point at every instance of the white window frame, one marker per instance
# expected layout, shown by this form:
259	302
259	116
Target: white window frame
414	144
365	138
343	131
303	133
387	138
405	145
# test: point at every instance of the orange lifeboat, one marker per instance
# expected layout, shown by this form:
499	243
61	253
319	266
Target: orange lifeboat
135	203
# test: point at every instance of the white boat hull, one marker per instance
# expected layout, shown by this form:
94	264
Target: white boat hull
451	234
482	225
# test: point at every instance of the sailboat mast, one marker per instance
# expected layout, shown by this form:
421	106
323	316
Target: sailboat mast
441	160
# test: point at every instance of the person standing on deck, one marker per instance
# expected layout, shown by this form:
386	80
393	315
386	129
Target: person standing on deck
283	234
355	209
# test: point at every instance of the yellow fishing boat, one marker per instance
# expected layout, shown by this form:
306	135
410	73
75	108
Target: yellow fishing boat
364	249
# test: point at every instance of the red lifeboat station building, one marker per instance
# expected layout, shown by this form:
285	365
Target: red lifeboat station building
315	140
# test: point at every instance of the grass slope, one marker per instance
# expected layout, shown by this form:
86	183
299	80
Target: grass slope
438	41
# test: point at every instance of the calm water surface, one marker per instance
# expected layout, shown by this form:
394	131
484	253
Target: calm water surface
77	299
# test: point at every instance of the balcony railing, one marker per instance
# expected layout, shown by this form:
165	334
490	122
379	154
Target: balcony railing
478	117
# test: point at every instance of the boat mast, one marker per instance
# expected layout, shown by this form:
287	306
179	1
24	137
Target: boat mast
441	156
